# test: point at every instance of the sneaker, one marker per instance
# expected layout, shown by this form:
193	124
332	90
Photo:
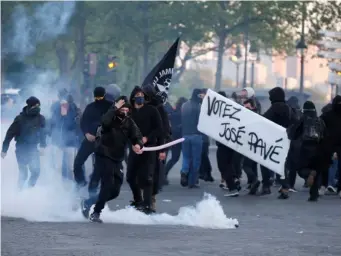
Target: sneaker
265	191
194	186
94	217
232	193
222	184
279	189
136	205
283	195
254	187
292	190
322	191
331	189
148	210
184	180
85	209
209	178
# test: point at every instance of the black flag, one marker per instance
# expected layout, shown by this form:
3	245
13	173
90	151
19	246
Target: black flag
161	75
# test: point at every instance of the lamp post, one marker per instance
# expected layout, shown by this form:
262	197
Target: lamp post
254	51
301	47
236	60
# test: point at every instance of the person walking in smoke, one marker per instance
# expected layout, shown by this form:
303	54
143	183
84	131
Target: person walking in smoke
175	120
192	146
141	168
111	140
205	166
63	129
304	136
28	130
157	101
89	122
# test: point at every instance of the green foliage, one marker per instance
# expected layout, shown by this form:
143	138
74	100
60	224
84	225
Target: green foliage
139	33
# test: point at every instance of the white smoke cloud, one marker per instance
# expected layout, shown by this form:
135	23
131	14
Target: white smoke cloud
48	21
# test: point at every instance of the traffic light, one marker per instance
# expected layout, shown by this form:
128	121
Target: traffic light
111	63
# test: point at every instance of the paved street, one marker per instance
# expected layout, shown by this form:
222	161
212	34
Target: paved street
267	227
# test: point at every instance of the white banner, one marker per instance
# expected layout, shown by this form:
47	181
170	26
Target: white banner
244	131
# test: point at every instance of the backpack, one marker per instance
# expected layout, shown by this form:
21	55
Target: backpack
312	130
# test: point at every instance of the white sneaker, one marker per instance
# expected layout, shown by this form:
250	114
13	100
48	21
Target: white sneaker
331	189
322	191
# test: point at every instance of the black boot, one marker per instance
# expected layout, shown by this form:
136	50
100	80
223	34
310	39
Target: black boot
95	217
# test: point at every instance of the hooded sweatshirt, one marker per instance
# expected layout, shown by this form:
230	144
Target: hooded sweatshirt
147	118
28	130
279	112
190	112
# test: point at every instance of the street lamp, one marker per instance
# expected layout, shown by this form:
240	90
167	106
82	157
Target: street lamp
254	51
236	60
301	47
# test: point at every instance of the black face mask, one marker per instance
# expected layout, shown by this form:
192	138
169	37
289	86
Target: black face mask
33	111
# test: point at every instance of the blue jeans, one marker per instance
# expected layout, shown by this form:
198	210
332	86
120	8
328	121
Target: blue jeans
332	173
191	153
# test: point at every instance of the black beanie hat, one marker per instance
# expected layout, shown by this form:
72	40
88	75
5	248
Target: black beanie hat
32	101
99	92
309	105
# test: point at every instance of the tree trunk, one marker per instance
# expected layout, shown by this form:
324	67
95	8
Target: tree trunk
63	59
221	50
145	41
80	48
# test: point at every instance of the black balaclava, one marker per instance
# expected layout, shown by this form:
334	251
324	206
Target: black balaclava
309	109
336	104
33	106
99	93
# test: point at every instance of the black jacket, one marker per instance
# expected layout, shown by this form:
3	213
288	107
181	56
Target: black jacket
28	129
165	135
92	115
279	112
114	134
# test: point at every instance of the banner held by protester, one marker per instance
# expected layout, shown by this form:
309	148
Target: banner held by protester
244	131
161	75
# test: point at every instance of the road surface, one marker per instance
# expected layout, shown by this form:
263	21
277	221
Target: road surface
267	227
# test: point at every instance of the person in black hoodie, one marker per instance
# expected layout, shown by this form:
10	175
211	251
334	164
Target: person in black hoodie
28	130
89	122
304	136
225	165
205	166
111	140
329	144
157	101
280	113
141	168
175	120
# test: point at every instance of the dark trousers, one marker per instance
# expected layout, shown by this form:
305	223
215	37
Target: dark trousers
111	177
237	162
250	168
159	175
85	150
28	159
140	172
205	167
176	152
225	166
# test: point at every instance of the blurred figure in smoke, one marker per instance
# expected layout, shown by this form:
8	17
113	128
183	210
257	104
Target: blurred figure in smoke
112	137
205	167
89	122
192	146
28	129
63	129
175	120
156	100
